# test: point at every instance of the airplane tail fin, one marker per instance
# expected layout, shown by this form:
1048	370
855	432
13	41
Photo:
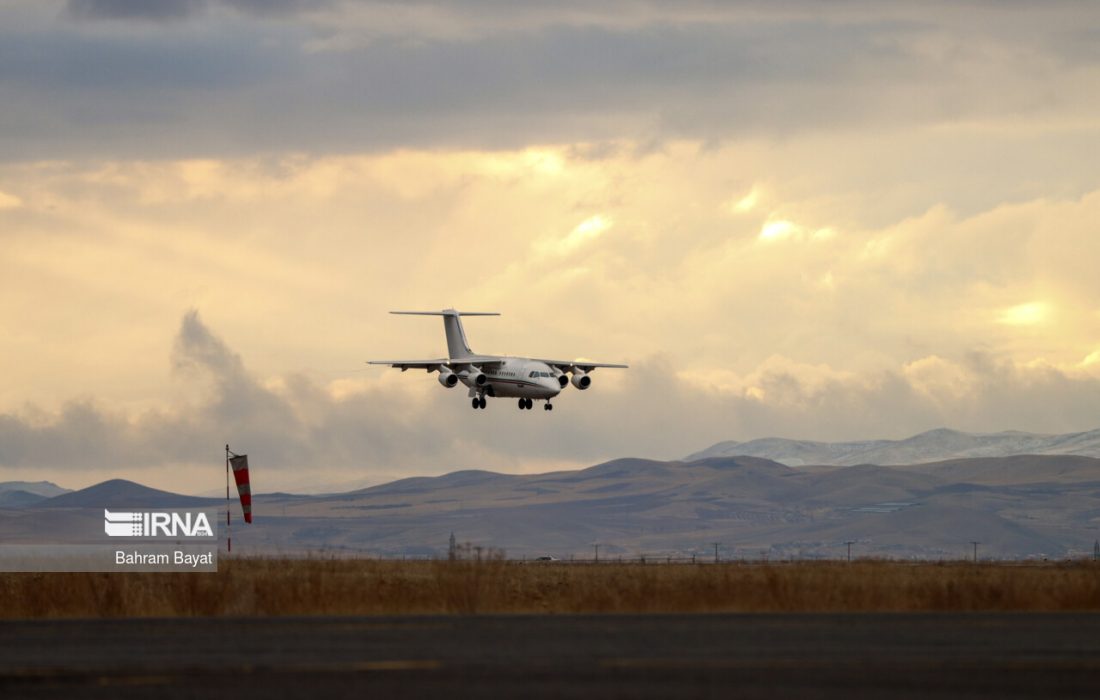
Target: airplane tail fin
457	345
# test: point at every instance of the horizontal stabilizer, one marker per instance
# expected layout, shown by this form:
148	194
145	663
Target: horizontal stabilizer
458	348
446	312
441	362
411	363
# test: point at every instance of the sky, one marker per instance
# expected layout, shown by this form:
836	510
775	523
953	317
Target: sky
828	221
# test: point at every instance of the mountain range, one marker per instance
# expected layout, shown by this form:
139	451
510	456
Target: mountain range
931	446
23	493
1020	506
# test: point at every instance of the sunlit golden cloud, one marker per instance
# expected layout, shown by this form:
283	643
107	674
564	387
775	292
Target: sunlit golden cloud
778	230
588	230
1029	314
747	202
248	241
8	201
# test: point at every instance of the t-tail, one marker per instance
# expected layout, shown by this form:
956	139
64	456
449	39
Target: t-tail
458	348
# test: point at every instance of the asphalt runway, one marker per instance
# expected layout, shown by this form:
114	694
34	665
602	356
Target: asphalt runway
635	656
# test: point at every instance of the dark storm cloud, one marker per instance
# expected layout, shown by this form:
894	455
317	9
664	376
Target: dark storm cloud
172	10
277	8
211	94
160	70
152	10
334	79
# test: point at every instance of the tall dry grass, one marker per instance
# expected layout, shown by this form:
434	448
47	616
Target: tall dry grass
263	586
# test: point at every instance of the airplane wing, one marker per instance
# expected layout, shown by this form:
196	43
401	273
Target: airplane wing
566	365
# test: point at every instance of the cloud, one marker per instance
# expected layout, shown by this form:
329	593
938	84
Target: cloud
9	201
1028	314
747	202
279	8
891	327
246	77
160	10
395	424
583	233
976	392
253	240
298	424
174	10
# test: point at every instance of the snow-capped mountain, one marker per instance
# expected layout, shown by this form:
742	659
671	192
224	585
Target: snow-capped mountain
932	446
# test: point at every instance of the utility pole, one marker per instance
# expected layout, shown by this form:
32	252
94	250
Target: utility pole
850	543
715	552
597	548
975	543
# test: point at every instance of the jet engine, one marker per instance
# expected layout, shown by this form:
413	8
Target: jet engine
473	377
560	376
580	379
448	378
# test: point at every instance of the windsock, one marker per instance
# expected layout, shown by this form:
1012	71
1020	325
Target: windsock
240	475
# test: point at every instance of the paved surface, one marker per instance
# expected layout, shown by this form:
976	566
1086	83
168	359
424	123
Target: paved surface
665	656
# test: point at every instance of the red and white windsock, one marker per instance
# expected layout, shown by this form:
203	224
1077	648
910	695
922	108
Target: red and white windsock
240	475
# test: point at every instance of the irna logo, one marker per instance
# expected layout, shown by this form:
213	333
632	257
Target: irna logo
157	524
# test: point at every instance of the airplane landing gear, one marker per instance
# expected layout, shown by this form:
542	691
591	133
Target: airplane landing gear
478	402
548	406
526	404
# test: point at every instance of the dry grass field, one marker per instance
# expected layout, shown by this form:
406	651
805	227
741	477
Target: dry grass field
270	586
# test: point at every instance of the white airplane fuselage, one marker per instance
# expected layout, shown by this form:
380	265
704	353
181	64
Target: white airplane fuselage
521	377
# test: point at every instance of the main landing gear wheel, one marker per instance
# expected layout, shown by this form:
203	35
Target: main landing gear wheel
522	404
481	402
529	404
475	403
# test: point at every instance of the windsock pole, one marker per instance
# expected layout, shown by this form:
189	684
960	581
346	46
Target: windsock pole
228	531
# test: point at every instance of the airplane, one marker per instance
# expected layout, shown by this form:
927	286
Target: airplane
492	376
